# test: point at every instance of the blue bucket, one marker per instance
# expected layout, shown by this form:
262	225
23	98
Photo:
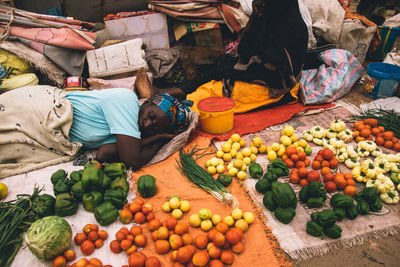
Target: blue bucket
384	79
388	35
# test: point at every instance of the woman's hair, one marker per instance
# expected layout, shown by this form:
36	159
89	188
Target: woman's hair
176	111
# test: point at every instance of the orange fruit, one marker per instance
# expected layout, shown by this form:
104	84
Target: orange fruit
307	162
313	176
381	128
348	175
300	164
388	135
294	178
350	190
375	131
316	165
330	186
302	172
388	144
379	140
351	182
325	170
289	163
333	163
303	182
327	154
328	177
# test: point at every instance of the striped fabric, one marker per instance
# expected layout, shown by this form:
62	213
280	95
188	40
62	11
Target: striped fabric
331	80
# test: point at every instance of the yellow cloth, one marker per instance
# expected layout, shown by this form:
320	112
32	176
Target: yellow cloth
247	96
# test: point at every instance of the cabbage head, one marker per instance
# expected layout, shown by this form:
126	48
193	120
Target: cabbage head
49	237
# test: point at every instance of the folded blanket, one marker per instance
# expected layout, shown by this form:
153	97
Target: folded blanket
35	122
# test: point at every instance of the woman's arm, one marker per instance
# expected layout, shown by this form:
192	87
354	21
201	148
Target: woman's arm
132	151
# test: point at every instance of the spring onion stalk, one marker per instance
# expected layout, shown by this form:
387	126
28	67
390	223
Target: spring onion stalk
196	174
15	218
389	119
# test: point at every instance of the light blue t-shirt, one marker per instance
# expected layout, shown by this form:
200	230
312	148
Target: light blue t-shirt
100	114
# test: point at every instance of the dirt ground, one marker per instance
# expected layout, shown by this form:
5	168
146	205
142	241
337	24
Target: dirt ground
374	252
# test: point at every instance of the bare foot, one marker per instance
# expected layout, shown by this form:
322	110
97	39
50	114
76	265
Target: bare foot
143	86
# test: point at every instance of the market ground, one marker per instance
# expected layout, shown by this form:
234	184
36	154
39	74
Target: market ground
374	252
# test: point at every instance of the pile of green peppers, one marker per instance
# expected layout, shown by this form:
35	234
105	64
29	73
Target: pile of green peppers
323	223
102	191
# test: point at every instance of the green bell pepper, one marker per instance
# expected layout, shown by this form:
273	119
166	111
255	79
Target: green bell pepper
91	200
106	182
375	206
255	170
146	186
115	196
314	229
65	205
105	213
58	175
224	179
270	176
76	176
120	182
115	170
92	178
62	186
92	164
43	205
77	190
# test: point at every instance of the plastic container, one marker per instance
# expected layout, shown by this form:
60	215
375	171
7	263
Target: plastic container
384	79
388	35
216	114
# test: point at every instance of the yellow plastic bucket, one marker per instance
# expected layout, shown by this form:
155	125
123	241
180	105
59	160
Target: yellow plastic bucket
216	114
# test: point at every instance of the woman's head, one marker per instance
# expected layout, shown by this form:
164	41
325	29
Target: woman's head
163	113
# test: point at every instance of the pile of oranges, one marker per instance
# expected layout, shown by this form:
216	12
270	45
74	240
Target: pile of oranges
138	211
216	247
325	158
303	177
128	240
339	180
90	238
368	129
295	158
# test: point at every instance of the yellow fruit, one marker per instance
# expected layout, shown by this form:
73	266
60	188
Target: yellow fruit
233	171
247	160
216	218
194	220
272	155
253	150
229	141
242	142
236	146
237	163
3	190
262	149
244	167
177	214
227	157
226	147
299	148
275	146
205	214
242	224
174	202
235	137
246	152
165	207
221	162
219	153
239	155
253	157
229	220
281	151
285	140
230	166
257	141
288	130
237	214
248	217
184	206
211	170
269	148
294	137
295	144
302	143
241	175
206	225
208	163
220	168
214	162
233	152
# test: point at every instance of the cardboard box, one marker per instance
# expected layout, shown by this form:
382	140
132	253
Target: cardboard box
200	34
152	28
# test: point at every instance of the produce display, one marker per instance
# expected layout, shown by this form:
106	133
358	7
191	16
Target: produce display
324	187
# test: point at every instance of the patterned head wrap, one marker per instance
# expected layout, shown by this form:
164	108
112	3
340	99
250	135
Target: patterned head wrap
176	111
